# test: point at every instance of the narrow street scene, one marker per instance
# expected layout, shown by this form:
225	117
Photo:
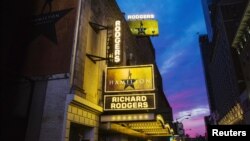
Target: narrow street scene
125	70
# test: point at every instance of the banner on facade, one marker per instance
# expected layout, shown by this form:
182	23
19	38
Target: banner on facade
49	48
129	78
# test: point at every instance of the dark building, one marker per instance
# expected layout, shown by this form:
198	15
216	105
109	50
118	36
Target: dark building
146	45
224	77
54	57
241	44
206	53
207	121
206	11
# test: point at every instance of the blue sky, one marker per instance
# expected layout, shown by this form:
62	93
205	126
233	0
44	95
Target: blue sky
178	55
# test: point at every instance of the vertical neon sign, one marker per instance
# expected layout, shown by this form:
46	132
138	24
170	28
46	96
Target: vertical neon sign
117	42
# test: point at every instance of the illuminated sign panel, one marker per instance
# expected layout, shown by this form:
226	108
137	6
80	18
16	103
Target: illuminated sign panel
129	102
117	42
129	78
140	16
144	27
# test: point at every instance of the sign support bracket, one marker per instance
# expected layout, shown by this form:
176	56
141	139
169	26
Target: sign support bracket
95	58
97	27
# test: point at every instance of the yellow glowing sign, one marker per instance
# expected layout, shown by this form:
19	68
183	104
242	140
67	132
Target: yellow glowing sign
129	78
233	116
129	102
144	27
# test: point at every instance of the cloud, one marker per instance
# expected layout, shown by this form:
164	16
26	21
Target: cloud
174	53
186	101
170	63
195	112
195	124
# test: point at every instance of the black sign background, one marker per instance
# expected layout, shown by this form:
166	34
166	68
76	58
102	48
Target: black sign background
229	131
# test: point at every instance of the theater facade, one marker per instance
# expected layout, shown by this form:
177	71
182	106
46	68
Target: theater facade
82	75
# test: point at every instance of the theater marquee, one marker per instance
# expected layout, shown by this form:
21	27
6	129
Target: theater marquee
129	102
129	79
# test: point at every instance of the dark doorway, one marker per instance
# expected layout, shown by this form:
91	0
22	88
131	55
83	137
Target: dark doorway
80	132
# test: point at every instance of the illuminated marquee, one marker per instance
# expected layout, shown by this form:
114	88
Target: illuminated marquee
144	16
128	117
118	42
233	116
129	102
144	27
129	78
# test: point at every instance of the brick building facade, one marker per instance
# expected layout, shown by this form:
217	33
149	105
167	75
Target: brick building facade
55	60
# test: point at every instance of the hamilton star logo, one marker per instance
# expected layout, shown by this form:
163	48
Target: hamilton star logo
141	30
129	81
44	24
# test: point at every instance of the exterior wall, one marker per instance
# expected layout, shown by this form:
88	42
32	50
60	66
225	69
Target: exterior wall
223	54
222	72
145	53
93	78
231	12
163	106
36	110
245	64
48	102
88	76
224	83
206	52
62	112
241	44
16	95
82	116
245	59
206	11
54	110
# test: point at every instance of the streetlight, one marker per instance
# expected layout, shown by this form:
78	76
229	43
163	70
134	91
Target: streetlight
179	125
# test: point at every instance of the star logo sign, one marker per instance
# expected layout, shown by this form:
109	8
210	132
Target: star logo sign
129	82
141	29
44	24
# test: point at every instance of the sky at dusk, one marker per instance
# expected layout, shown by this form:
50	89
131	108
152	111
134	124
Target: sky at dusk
178	56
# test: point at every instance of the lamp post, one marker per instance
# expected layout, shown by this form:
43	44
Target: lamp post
179	125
